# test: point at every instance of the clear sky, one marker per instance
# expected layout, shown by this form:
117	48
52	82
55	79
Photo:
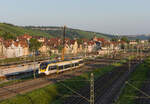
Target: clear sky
107	16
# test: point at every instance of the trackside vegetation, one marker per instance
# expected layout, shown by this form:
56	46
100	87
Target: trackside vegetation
136	79
56	93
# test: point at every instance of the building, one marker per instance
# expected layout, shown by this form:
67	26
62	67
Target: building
15	48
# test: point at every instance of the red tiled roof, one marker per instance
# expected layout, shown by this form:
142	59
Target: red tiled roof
91	42
84	40
105	43
16	43
101	39
7	43
72	41
54	42
27	36
24	37
1	39
121	42
23	43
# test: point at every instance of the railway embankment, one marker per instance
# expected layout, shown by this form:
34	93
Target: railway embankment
57	92
135	90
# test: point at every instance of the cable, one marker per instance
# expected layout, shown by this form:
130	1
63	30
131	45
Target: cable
148	96
74	91
18	94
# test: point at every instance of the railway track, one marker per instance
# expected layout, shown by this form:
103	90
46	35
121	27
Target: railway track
141	98
29	85
106	87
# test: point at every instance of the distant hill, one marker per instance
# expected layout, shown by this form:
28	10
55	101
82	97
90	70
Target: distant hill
140	37
17	30
70	33
48	31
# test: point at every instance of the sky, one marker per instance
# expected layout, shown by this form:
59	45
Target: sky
118	17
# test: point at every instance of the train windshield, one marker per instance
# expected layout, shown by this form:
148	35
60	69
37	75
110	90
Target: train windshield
43	65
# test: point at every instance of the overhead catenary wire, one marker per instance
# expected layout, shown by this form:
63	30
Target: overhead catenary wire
12	91
148	96
74	91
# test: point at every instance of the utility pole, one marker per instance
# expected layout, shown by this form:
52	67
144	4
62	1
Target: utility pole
92	89
137	53
34	70
129	64
141	54
63	50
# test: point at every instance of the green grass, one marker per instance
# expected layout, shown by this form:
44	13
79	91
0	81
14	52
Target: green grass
56	93
136	79
117	64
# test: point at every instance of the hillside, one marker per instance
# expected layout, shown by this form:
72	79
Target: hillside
70	33
17	30
140	37
12	31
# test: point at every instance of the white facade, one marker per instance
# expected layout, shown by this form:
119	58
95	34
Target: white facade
13	51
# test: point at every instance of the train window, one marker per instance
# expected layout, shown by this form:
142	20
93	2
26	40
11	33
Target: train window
61	67
52	67
73	65
67	66
49	68
81	62
76	64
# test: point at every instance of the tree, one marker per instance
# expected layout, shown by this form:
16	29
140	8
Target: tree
137	40
7	35
122	46
114	39
60	47
149	40
79	41
125	39
34	45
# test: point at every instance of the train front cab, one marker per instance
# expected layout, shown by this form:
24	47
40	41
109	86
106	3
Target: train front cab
42	68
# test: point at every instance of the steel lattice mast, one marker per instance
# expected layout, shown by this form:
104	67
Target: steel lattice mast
92	89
